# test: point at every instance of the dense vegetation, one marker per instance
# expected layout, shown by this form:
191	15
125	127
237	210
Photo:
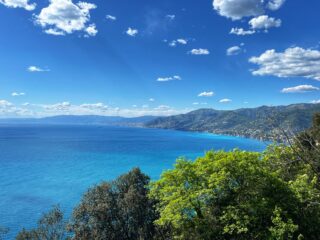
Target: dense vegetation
223	195
261	123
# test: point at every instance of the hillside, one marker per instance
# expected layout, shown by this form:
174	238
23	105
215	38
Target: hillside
263	122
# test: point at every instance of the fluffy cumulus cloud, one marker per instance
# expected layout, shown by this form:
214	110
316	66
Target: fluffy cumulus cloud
300	89
8	109
237	9
293	62
264	22
26	4
275	4
91	30
225	100
166	79
241	31
235	50
132	32
63	17
5	104
206	94
180	41
199	51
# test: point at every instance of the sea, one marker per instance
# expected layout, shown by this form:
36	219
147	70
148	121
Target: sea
46	165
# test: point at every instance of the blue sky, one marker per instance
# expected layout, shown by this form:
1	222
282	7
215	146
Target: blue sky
153	57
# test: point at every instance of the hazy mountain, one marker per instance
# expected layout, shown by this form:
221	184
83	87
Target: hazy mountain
81	120
262	122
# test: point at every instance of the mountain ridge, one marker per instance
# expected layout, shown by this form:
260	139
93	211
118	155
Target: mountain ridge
265	122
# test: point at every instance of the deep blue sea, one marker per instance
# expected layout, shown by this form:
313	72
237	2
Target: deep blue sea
41	166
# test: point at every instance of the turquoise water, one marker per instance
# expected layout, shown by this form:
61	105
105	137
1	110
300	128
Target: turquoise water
41	166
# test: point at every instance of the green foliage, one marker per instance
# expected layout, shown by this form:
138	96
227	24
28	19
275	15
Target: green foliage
281	230
51	226
116	210
222	196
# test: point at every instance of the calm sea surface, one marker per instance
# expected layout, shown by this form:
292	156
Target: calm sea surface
41	166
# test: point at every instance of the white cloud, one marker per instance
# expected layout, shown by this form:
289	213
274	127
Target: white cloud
64	17
132	32
178	41
199	103
200	51
5	103
275	4
91	30
241	31
151	99
94	106
237	9
17	94
63	106
225	100
51	31
37	69
315	101
264	22
182	41
8	109
300	89
19	4
171	17
235	50
166	79
293	62
206	94
111	18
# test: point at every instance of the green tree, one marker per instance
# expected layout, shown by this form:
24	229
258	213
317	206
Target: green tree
51	226
307	147
116	210
224	195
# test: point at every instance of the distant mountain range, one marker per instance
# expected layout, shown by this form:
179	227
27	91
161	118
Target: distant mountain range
265	123
81	120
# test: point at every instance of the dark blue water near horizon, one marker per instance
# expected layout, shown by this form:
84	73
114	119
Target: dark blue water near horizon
41	166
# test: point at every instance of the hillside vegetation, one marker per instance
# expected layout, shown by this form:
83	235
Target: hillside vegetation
265	123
